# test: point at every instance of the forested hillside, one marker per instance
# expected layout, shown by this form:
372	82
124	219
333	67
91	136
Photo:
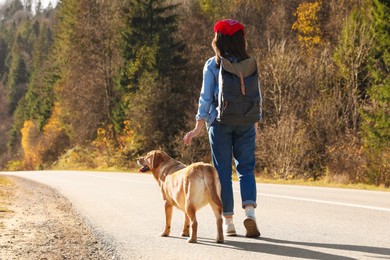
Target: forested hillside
94	84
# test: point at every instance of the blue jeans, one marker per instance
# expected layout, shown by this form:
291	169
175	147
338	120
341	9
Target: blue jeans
239	142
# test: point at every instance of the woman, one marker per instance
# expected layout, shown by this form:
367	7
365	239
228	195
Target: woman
228	141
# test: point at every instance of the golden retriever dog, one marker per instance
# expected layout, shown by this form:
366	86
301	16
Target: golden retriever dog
188	188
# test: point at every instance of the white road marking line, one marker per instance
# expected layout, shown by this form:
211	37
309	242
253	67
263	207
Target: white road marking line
325	202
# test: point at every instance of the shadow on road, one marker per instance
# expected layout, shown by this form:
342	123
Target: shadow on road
365	249
279	248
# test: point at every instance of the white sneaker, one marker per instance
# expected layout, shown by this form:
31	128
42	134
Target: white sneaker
251	227
230	230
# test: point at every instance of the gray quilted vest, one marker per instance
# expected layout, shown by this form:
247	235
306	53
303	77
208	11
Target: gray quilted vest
239	98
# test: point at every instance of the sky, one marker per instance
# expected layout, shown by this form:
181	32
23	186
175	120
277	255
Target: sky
45	3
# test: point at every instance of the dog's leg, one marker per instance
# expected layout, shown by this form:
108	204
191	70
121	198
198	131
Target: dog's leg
191	213
168	217
186	228
218	216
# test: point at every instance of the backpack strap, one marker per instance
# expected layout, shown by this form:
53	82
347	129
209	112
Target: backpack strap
246	67
242	84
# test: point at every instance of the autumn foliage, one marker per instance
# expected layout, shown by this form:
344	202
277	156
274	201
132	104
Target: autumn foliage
307	24
94	84
42	147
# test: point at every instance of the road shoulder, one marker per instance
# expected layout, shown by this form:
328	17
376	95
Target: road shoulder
39	223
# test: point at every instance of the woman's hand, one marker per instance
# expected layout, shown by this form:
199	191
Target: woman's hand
188	137
193	133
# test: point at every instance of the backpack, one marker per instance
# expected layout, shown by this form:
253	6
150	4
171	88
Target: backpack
239	98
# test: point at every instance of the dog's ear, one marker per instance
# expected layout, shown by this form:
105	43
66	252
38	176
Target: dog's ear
158	158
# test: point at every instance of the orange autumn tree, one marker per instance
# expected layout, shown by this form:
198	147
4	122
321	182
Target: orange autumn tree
43	146
307	25
30	142
54	140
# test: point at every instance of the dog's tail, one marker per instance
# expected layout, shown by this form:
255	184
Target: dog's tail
213	184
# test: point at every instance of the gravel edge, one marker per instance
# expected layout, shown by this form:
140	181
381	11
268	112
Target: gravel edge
43	224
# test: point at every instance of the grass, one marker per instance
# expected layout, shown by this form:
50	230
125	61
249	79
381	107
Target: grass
4	181
5	184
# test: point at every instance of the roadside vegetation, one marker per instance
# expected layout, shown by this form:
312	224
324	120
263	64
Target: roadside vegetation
5	196
93	84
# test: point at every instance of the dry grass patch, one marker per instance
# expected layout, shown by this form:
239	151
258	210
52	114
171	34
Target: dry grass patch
6	191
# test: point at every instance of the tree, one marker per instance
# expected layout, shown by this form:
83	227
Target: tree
17	81
376	114
27	51
14	60
215	9
88	58
30	142
351	56
40	93
307	24
152	78
3	56
5	126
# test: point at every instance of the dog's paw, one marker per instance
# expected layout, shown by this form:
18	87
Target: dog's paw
165	234
191	240
185	234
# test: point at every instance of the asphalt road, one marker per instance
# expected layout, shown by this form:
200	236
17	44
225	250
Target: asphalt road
296	222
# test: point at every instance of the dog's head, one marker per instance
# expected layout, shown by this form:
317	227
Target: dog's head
151	160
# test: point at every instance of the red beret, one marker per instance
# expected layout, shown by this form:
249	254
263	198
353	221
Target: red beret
228	27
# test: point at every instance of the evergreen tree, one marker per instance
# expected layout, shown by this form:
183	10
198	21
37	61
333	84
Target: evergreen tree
376	115
40	95
25	46
19	60
17	81
3	55
150	25
153	73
